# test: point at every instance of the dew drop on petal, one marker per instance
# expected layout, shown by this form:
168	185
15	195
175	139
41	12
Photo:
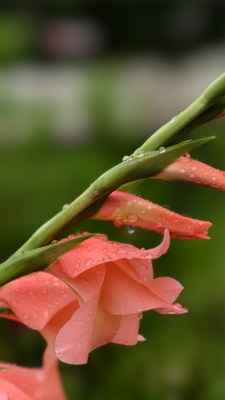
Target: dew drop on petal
132	218
162	149
58	353
186	158
89	262
117	221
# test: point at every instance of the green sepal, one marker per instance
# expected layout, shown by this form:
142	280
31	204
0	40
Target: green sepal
36	260
166	156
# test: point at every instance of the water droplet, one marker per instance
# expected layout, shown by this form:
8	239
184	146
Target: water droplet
89	262
132	218
186	158
126	158
96	192
65	206
194	168
191	175
46	313
182	170
117	221
130	230
162	149
173	120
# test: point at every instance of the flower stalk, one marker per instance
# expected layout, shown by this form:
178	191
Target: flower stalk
147	161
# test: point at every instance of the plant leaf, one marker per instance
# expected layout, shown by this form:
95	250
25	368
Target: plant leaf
36	260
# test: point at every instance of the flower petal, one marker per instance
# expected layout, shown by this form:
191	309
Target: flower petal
85	285
73	341
105	327
99	250
166	288
32	383
174	309
127	209
188	170
122	295
128	330
7	388
35	298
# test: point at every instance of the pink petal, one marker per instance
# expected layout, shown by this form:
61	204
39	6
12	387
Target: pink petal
105	327
33	383
128	330
53	327
7	388
188	170
90	327
35	298
99	250
85	285
168	289
127	209
122	295
173	309
73	340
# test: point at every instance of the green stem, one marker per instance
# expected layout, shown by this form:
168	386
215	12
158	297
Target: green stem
208	106
212	95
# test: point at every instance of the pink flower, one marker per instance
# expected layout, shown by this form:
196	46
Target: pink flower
108	286
188	170
18	383
127	209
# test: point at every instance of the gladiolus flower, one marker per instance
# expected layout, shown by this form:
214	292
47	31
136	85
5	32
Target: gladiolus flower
127	209
188	170
19	383
110	284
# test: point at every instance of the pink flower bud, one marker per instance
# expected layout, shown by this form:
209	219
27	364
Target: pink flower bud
188	170
127	209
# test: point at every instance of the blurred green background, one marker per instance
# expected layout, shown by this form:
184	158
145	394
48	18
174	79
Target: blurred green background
83	83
